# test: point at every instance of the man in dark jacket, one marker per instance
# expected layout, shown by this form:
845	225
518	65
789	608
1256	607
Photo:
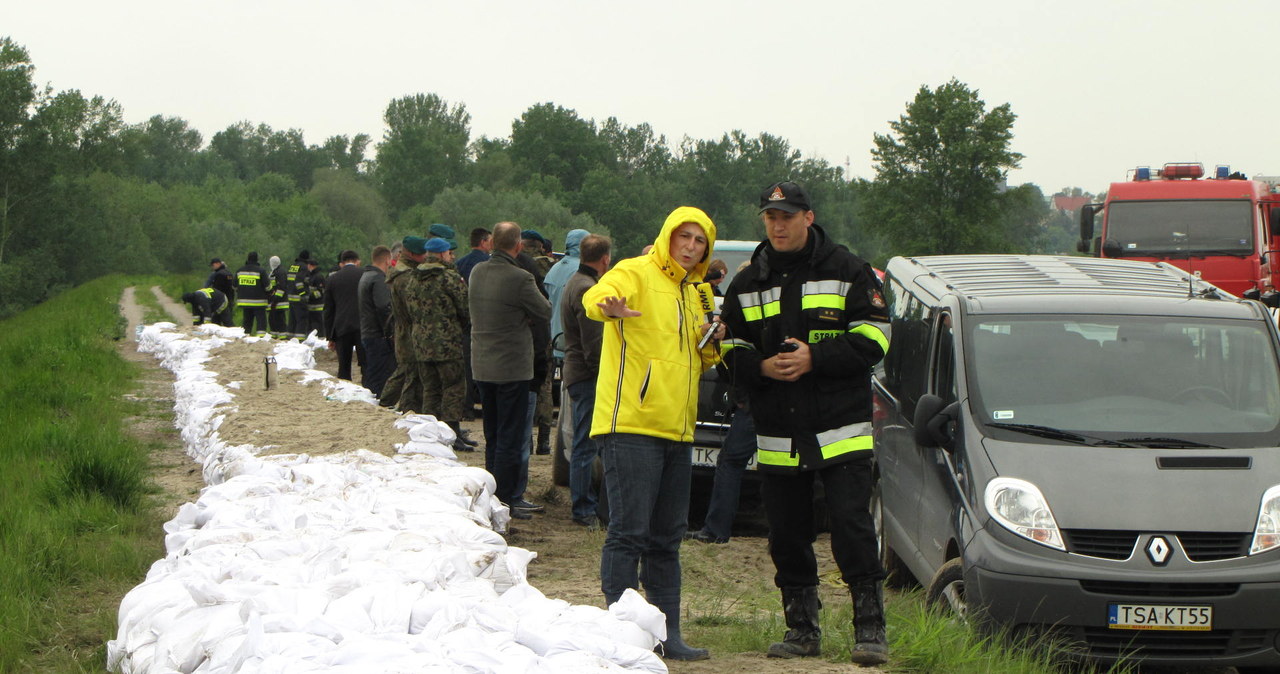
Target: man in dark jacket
314	294
220	279
296	293
374	298
342	312
252	282
277	299
209	305
582	338
481	244
805	325
502	297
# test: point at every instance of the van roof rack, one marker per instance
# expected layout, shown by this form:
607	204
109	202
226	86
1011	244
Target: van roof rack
1030	275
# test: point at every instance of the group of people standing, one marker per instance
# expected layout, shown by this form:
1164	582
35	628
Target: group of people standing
800	329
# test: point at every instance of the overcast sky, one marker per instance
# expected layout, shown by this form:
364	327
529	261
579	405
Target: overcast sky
1098	87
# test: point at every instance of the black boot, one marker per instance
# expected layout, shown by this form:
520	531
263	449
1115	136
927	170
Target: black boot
674	648
460	445
544	439
800	606
868	624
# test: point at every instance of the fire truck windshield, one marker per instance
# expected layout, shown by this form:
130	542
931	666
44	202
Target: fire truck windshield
1179	228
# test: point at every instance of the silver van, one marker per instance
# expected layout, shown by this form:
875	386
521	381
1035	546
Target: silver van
1086	449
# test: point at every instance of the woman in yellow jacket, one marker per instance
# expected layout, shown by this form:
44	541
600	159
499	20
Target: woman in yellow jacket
646	405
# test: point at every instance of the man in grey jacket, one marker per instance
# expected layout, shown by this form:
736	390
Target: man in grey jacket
503	300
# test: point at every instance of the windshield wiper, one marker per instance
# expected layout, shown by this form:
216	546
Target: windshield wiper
1168	443
1059	434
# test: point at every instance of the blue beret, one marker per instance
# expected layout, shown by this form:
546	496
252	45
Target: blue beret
437	245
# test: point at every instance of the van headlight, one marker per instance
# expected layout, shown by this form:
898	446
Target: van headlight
1266	535
1020	507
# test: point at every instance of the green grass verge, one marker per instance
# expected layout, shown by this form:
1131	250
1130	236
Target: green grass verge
76	525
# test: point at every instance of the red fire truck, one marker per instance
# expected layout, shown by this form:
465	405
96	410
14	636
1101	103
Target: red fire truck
1225	228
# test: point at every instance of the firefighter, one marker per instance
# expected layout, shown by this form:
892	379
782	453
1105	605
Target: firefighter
209	305
278	302
295	286
252	282
804	322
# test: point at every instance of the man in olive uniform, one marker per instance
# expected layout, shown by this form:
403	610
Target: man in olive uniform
429	302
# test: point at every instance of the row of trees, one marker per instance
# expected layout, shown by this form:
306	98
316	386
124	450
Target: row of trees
82	193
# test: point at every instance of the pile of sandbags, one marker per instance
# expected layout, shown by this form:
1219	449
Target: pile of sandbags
350	562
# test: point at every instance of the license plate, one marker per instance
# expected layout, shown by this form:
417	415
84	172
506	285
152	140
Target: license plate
1159	617
705	456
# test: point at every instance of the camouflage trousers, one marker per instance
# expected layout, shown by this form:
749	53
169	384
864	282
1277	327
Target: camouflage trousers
544	411
434	387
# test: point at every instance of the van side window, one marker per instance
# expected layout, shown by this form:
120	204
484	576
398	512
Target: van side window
906	364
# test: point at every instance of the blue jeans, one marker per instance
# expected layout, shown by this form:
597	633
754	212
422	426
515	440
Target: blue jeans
648	482
526	447
739	445
583	457
506	408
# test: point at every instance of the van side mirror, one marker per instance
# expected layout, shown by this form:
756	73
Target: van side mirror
1087	212
935	422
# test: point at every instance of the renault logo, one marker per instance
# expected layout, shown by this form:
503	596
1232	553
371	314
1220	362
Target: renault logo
1158	550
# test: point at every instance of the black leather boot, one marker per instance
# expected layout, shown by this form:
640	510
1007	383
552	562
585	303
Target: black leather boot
871	647
460	445
800	606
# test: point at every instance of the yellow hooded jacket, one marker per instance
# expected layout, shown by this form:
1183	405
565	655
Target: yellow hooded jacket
650	364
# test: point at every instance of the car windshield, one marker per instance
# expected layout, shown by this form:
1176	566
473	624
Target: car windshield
1128	378
1177	228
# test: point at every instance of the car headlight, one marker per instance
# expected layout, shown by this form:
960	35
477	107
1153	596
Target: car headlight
1266	535
1020	507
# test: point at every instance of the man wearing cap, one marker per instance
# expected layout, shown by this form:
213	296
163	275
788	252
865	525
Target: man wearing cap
342	312
429	301
252	281
805	322
220	279
504	301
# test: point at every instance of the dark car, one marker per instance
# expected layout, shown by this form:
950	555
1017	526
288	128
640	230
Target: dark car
1084	449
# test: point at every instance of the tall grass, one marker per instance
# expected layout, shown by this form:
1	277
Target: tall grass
76	529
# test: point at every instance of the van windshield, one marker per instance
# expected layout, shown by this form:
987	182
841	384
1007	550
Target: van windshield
1183	227
1121	377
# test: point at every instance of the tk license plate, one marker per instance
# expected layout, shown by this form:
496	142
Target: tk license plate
1159	617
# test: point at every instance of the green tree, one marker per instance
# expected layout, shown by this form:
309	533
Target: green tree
18	96
164	150
423	151
939	174
350	201
549	140
465	208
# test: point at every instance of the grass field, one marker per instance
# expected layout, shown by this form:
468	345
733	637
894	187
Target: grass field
77	528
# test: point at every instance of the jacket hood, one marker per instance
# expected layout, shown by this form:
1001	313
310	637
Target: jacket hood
572	241
274	261
661	253
252	259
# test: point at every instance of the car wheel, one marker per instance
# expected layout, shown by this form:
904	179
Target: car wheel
897	576
946	590
562	445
